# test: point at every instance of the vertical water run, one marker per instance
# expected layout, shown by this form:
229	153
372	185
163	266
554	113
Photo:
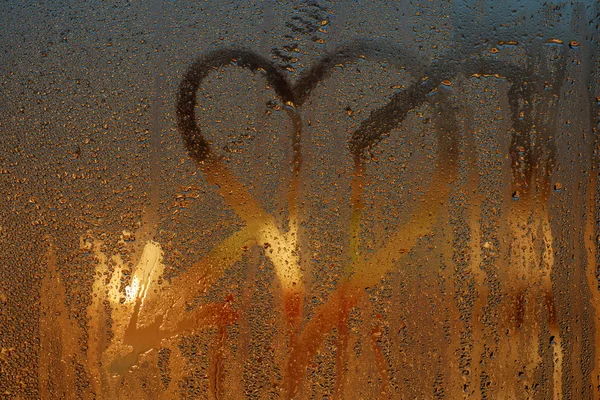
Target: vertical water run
151	213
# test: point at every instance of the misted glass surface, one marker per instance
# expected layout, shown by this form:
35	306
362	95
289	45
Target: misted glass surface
305	199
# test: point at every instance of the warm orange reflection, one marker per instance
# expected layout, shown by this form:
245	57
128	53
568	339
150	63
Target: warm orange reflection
134	332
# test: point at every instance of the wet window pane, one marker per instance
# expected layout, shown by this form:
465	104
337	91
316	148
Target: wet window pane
306	199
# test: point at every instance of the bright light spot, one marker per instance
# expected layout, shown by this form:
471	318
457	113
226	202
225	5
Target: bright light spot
132	290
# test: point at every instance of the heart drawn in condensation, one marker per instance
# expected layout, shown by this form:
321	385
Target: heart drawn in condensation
371	130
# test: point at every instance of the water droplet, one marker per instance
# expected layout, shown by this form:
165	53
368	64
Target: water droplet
508	43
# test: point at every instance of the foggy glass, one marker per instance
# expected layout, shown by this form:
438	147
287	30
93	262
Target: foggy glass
304	199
